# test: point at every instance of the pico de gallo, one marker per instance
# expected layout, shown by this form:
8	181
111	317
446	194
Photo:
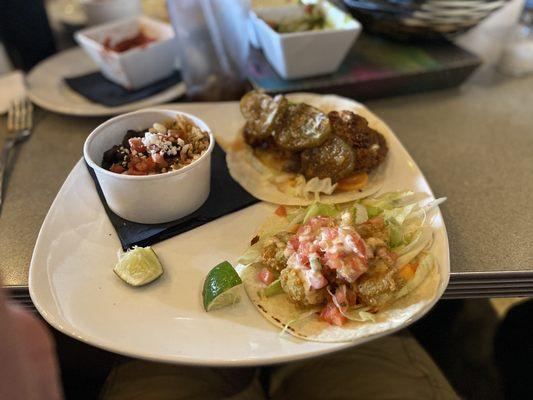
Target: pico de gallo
164	147
341	260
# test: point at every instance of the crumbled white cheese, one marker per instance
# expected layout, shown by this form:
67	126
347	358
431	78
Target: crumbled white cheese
157	143
151	139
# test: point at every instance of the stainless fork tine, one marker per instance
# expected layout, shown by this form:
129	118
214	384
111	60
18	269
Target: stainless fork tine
19	125
29	116
20	114
17	114
11	117
23	113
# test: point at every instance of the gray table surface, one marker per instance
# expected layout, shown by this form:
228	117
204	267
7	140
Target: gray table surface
474	145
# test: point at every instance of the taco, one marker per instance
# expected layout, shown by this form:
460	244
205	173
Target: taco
334	273
304	148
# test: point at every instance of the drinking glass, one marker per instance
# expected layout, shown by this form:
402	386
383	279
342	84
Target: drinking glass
213	46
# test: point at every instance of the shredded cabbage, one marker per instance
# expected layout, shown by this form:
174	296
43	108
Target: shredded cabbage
251	256
360	315
273	289
299	318
357	313
396	236
361	213
408	252
398	215
425	266
316	186
388	200
316	209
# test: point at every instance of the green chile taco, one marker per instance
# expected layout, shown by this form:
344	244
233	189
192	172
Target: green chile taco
304	148
334	273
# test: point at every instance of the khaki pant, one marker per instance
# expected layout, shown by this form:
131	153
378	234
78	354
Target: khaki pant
394	367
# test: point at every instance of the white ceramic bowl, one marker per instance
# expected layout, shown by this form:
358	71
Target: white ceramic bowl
100	11
304	54
138	66
149	199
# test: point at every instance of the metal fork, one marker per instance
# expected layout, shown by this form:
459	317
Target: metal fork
19	128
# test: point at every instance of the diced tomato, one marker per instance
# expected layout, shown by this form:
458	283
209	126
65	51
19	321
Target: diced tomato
159	159
266	276
375	221
331	314
141	166
360	244
133	171
358	266
307	248
136	144
340	295
332	260
317	280
302	259
117	168
294	242
330	233
344	296
281	211
351	297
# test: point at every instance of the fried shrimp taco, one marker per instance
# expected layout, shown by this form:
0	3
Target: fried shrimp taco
334	273
304	148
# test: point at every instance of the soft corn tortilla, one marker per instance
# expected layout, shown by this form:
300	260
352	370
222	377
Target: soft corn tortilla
282	312
253	176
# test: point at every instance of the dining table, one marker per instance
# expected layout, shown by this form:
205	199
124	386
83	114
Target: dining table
473	143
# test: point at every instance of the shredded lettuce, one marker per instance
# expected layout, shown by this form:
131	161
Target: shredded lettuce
399	214
252	255
316	186
316	209
357	313
408	252
360	314
373	211
425	266
298	318
273	289
396	235
361	213
388	200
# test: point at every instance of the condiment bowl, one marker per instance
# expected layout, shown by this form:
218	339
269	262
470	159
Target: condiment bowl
309	53
149	199
138	66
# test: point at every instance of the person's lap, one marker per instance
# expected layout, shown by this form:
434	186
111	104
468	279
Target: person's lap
394	367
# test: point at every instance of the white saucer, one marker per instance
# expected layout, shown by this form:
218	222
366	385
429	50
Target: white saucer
47	89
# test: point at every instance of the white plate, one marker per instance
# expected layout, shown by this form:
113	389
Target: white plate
68	12
47	89
73	285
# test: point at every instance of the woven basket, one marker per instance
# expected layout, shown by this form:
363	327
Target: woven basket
421	20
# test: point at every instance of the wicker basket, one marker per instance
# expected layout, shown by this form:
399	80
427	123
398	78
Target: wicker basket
421	20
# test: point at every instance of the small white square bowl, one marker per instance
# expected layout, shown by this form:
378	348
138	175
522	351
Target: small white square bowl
139	66
310	53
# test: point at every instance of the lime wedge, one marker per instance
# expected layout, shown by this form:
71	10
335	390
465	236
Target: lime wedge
221	287
138	266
